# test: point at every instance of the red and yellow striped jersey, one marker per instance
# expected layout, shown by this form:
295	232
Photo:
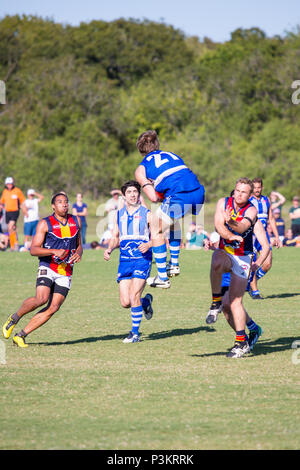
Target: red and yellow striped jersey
234	247
60	236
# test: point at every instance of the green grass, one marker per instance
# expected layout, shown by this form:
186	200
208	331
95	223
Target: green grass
78	386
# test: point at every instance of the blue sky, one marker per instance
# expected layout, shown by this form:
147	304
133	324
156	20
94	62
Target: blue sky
215	19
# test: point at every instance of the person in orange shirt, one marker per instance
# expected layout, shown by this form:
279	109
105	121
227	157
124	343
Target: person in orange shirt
12	199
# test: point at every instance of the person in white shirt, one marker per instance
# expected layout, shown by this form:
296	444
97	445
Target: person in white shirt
31	221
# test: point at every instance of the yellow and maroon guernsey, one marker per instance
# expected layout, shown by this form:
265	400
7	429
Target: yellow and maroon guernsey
233	246
60	236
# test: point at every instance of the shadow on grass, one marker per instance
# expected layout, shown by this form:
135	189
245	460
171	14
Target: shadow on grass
263	347
151	337
282	296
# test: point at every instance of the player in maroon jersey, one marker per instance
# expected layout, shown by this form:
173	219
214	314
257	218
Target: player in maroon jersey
57	243
235	220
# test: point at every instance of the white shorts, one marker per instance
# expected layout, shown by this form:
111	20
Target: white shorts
46	274
241	265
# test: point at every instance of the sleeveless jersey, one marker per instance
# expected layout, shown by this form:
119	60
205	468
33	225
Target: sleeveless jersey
169	173
234	247
262	205
60	236
133	230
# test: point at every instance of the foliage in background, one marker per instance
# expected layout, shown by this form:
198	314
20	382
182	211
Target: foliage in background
78	97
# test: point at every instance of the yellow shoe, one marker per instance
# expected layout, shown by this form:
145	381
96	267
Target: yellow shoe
20	341
8	327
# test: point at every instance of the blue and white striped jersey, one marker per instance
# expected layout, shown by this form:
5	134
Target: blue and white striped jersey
262	205
133	230
169	173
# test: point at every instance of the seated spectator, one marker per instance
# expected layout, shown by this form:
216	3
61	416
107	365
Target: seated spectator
197	238
190	233
3	241
295	216
105	237
94	245
112	205
290	240
277	200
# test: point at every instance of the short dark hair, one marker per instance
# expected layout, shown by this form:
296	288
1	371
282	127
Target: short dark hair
61	193
130	183
257	180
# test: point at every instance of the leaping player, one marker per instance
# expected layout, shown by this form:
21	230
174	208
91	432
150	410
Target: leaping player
165	178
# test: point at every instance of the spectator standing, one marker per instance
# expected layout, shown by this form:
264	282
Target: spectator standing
280	224
32	219
295	216
277	200
80	209
113	204
12	199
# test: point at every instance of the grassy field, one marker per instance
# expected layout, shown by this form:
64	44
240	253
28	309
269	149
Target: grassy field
78	386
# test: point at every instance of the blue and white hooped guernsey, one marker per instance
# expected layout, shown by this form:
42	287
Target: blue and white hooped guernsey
133	230
169	173
262	205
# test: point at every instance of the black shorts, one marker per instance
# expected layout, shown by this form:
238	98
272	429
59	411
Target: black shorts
12	215
54	288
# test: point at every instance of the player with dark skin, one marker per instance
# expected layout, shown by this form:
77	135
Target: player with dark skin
44	294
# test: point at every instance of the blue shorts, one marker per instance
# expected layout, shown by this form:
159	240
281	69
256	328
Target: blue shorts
180	204
257	246
30	228
135	268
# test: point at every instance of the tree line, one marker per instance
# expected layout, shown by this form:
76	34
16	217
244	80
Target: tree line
78	97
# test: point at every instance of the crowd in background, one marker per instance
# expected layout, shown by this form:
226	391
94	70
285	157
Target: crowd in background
13	203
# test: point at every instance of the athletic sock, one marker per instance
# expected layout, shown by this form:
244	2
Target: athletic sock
22	333
15	318
160	256
241	336
174	245
251	325
217	297
136	317
13	239
260	273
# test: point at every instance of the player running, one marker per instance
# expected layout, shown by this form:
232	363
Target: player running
57	243
254	330
265	215
164	177
235	219
131	233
